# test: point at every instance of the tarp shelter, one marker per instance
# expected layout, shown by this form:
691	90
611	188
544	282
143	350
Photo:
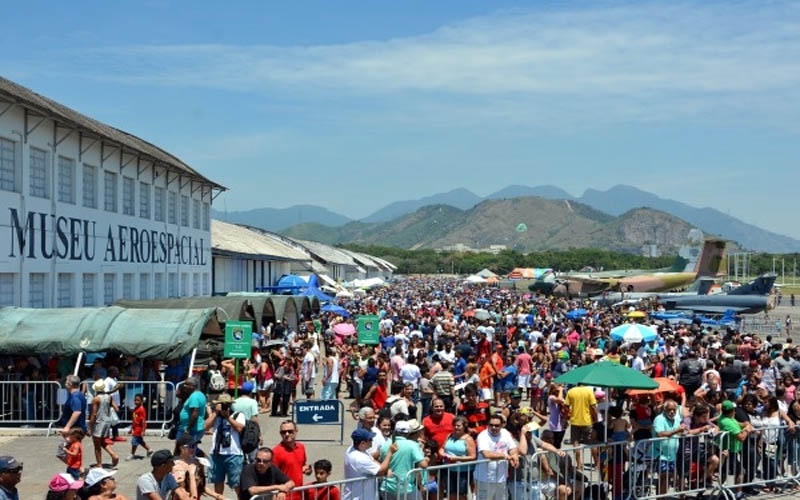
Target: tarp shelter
279	307
314	291
233	307
486	274
290	283
144	333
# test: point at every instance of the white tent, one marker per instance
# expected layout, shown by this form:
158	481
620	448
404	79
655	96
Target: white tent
475	279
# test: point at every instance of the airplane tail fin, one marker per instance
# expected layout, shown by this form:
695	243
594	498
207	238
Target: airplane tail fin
711	261
759	286
702	285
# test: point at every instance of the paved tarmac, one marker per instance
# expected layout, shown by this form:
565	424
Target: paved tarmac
37	452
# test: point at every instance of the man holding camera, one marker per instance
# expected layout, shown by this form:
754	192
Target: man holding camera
227	457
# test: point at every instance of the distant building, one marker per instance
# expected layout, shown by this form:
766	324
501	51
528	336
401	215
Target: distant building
92	214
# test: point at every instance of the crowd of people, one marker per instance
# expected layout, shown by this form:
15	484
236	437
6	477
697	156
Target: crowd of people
470	396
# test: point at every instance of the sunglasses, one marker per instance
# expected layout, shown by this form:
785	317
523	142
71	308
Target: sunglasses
287	431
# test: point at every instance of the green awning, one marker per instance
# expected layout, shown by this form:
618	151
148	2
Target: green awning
144	333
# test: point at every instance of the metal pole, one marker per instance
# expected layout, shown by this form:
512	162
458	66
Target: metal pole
78	363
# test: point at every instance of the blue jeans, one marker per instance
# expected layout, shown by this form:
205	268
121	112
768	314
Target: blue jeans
329	390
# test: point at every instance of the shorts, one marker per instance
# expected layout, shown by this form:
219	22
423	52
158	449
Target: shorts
523	381
598	431
226	465
580	434
137	441
666	466
458	482
491	491
734	464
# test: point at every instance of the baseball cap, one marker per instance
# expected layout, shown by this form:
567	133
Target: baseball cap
402	427
160	457
98	474
728	405
8	462
516	393
64	482
248	387
360	435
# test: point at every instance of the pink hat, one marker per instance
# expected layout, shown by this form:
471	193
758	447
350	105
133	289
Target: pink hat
63	482
599	394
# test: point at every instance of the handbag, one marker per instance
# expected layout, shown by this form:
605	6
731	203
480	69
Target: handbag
113	417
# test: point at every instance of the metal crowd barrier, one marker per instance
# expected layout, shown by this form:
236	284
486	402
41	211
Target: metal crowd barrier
769	460
456	481
29	403
362	488
159	399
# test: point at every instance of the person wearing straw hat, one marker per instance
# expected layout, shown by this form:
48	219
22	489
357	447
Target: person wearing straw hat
227	457
408	455
102	420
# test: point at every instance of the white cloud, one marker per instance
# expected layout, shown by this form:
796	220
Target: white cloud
649	62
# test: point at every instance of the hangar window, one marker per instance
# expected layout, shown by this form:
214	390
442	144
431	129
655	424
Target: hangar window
109	283
66	180
196	284
196	214
144	200
89	186
206	290
88	290
65	290
38	184
184	284
172	208
36	290
206	216
158	291
128	196
7	297
9	175
127	286
144	286
110	191
172	285
184	211
158	204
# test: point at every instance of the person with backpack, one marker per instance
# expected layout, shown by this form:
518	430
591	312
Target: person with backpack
248	406
227	456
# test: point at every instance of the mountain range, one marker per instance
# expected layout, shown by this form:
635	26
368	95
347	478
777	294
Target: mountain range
622	218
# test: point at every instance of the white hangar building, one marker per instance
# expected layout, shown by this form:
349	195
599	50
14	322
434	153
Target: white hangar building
91	214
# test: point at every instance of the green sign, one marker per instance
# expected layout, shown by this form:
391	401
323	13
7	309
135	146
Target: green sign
368	332
238	339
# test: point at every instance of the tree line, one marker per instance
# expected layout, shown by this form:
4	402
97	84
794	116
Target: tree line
427	261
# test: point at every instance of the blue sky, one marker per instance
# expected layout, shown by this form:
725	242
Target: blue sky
353	105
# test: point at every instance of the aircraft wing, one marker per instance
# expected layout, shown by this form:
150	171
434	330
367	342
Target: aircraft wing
707	308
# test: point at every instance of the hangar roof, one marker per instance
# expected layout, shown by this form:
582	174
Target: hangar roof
129	143
233	239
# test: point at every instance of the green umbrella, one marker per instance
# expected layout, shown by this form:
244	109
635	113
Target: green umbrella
608	374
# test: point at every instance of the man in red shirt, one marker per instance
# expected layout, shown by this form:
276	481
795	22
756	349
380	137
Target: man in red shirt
290	456
439	424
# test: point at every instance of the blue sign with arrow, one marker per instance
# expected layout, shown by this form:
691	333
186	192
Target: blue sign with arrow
320	412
